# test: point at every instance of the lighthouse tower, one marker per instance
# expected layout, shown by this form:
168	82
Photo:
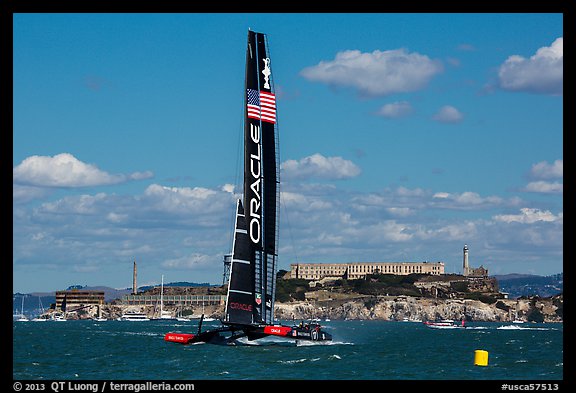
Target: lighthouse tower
465	266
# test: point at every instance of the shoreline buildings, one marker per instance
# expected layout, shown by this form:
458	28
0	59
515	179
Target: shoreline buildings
356	270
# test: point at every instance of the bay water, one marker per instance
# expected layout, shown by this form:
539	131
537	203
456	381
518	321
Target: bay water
360	350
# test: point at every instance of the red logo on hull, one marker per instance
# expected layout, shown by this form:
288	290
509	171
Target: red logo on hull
278	330
183	338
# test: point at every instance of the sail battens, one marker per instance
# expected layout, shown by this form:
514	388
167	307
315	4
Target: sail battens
240	261
243	292
242	231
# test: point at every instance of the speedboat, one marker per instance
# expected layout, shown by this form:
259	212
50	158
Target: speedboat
444	324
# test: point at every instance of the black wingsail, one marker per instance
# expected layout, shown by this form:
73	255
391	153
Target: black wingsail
265	271
260	202
239	302
249	309
271	180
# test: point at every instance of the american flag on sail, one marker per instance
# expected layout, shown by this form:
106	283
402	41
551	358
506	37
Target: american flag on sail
261	105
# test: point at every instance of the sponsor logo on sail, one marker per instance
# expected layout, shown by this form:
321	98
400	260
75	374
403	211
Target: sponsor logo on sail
266	71
241	306
254	227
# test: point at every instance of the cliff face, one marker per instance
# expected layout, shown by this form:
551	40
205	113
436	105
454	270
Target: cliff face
417	309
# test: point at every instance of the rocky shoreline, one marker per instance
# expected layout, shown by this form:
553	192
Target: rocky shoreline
422	309
389	308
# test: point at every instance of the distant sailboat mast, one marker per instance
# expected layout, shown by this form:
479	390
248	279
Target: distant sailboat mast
22	317
162	297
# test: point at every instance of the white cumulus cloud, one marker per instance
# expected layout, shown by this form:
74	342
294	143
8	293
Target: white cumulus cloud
395	110
544	170
65	170
318	166
185	200
401	211
545	187
467	200
23	194
529	216
378	73
541	73
305	203
228	188
448	114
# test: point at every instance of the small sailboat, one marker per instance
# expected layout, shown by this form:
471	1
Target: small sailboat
164	315
249	310
181	318
22	317
203	316
42	317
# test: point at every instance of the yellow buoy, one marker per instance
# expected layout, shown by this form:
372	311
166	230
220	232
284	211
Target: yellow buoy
480	358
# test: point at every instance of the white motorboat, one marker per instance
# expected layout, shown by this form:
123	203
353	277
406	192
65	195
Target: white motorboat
134	316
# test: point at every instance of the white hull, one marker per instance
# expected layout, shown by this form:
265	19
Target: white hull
444	325
134	317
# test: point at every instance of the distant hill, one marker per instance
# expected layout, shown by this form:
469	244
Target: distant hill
517	285
178	284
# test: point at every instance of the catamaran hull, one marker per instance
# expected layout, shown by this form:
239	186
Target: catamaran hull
311	333
228	335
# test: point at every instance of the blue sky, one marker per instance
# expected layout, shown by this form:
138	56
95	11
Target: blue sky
402	138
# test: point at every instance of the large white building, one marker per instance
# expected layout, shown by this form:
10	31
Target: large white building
355	270
77	298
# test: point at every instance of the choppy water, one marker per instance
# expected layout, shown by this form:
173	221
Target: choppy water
361	350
